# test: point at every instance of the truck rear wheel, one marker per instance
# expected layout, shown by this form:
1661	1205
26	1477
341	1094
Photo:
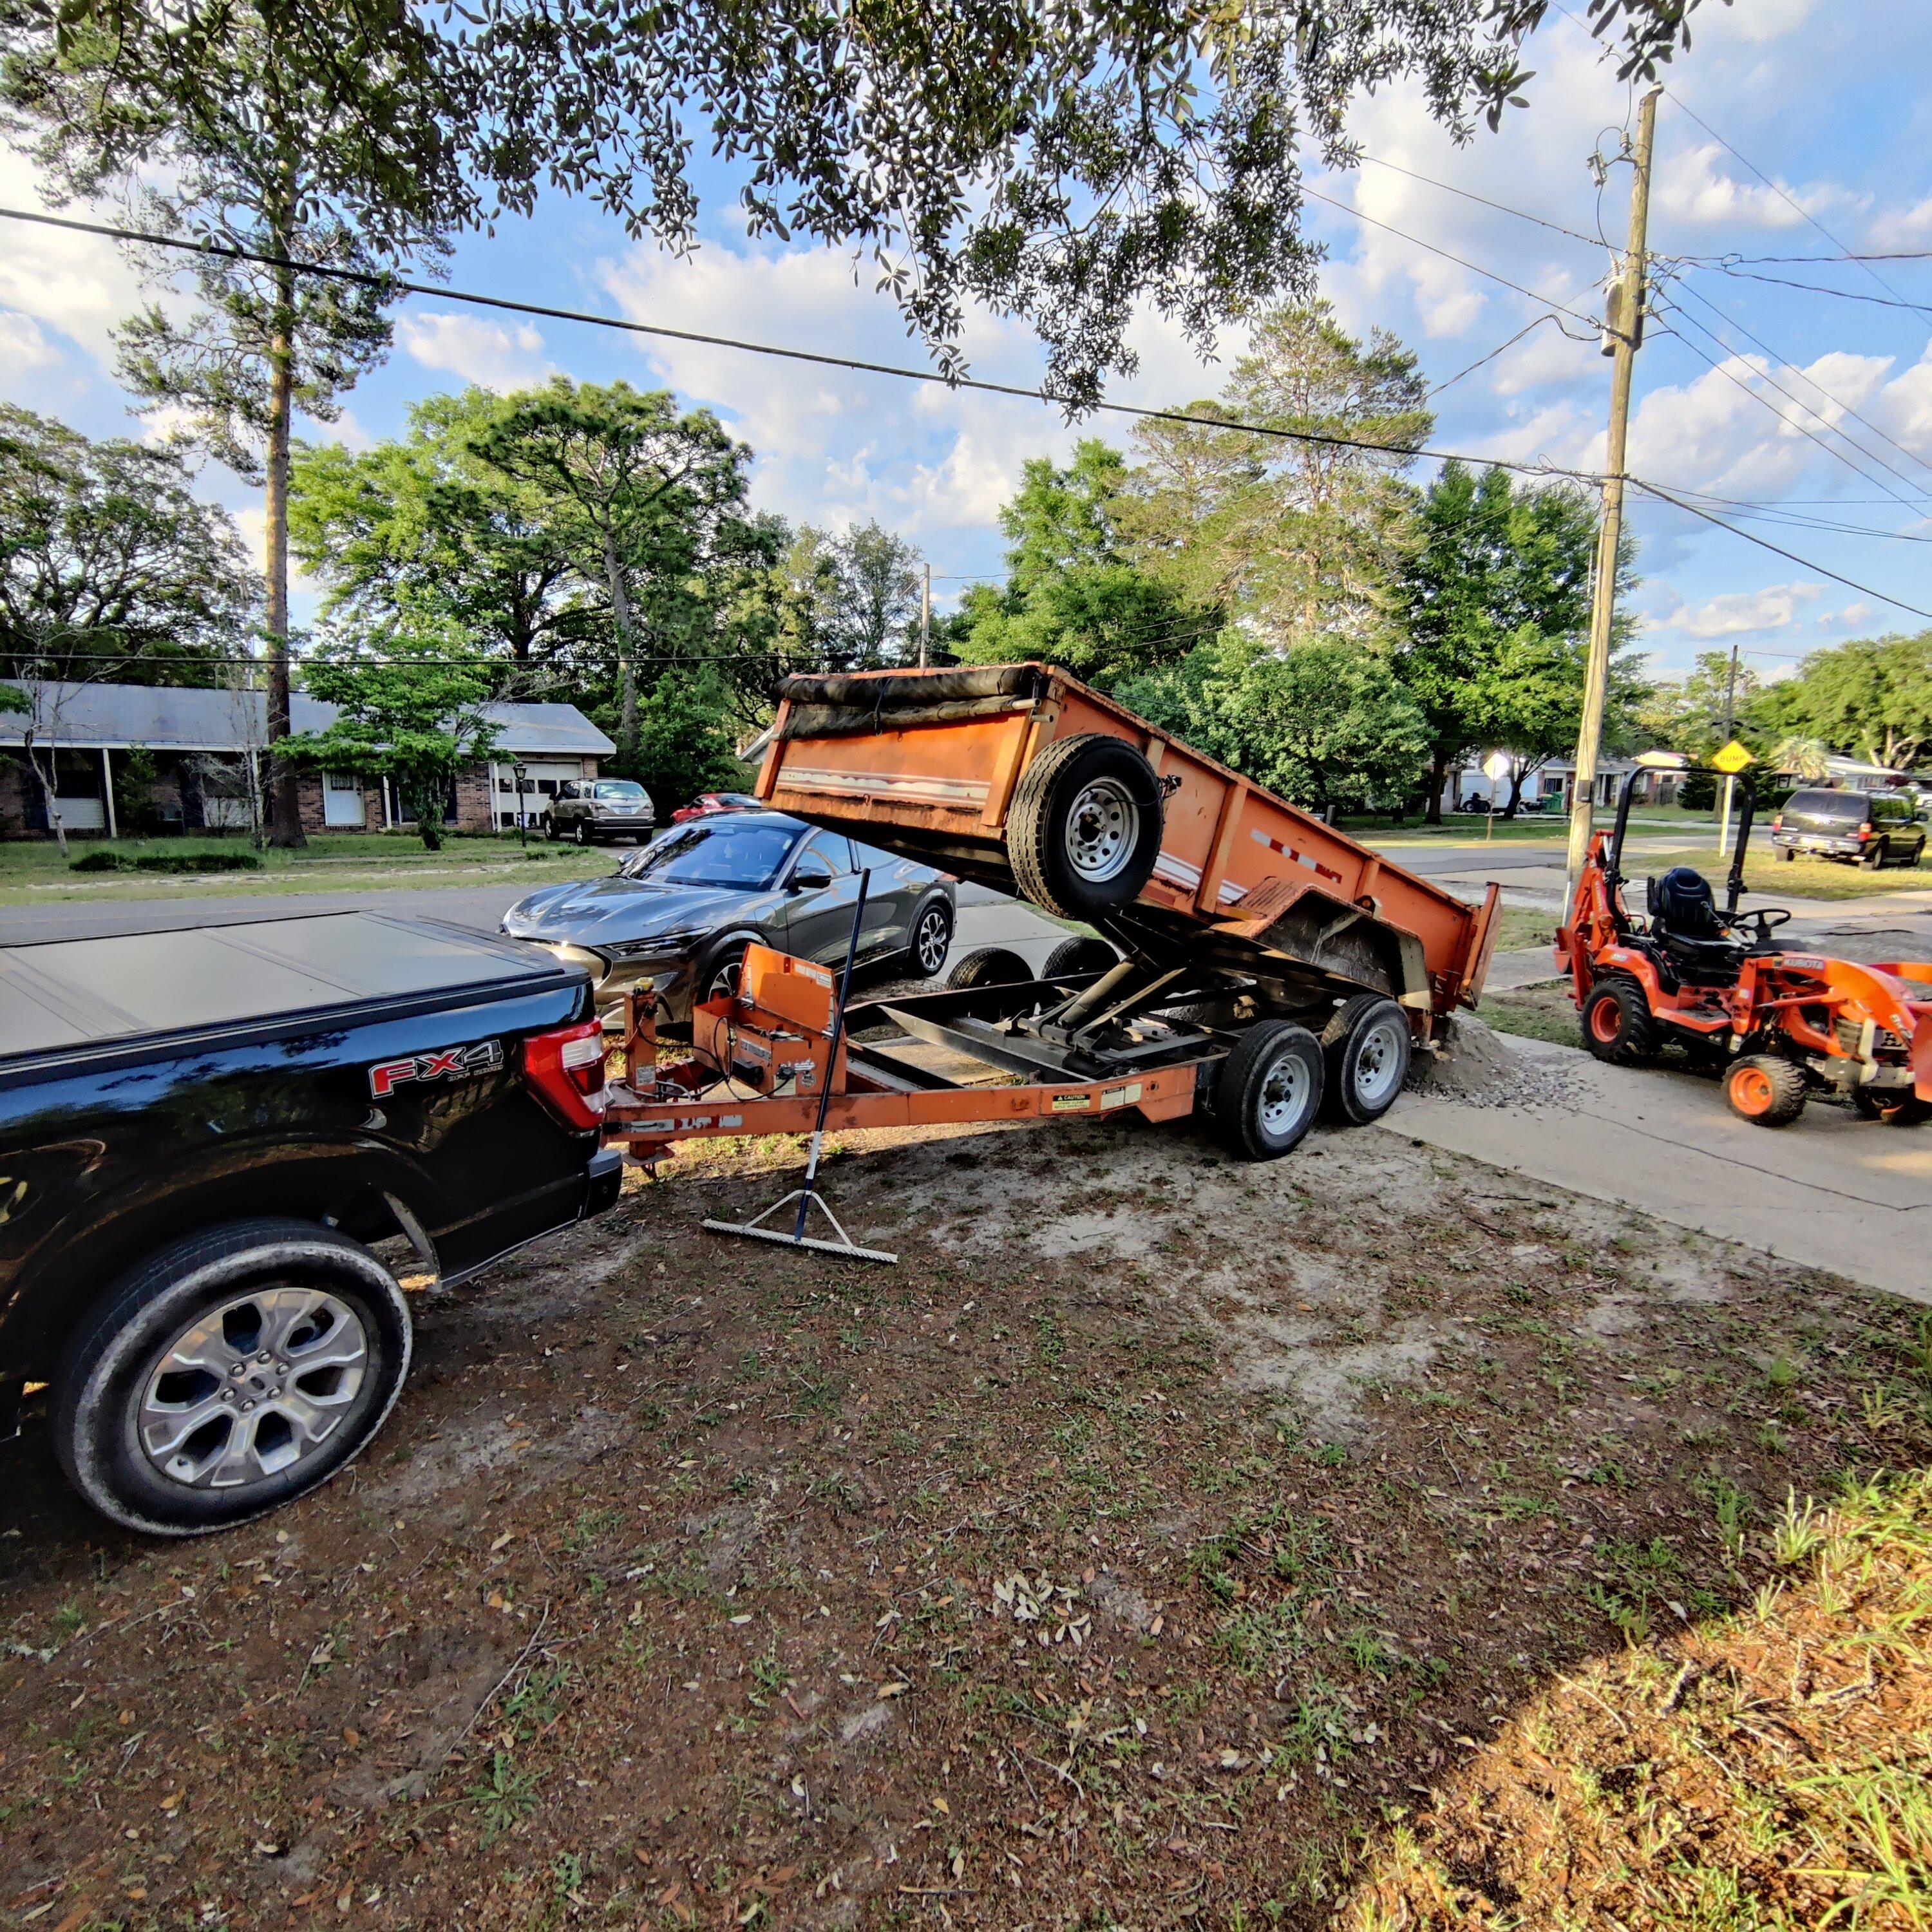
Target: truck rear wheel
1765	1090
229	1373
1084	829
1268	1091
1366	1045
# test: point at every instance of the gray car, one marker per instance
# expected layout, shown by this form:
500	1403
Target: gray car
587	810
679	913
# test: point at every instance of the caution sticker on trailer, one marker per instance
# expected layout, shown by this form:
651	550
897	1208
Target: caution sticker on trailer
1121	1096
1070	1103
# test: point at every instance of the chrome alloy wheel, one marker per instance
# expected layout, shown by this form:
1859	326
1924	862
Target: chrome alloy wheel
1102	828
1285	1094
931	940
1378	1062
252	1388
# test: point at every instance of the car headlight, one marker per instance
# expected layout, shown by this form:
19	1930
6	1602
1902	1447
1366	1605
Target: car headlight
652	948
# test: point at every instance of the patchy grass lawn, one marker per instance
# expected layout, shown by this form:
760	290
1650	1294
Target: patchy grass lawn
1519	927
1768	1769
1536	1012
1767	877
32	872
1152	1545
1467	828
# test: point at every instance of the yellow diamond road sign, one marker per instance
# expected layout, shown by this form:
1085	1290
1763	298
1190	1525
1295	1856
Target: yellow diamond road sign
1732	758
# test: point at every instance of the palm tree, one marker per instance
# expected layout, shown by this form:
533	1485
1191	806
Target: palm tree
1806	758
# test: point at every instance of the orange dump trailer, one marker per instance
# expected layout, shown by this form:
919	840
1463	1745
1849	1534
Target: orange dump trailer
1023	778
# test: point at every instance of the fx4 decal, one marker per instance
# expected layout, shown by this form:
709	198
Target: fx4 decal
452	1063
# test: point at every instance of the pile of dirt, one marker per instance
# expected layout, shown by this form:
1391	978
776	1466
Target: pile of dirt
1478	1066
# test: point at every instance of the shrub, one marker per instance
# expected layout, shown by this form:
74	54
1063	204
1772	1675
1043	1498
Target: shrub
105	860
199	862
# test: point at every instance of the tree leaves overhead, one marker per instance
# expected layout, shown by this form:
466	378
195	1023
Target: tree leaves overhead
1061	164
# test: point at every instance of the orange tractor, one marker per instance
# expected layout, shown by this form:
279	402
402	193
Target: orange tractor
1778	1026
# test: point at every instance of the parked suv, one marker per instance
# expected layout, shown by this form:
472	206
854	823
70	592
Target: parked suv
1876	828
589	809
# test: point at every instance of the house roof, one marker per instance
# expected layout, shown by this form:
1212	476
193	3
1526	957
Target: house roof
170	718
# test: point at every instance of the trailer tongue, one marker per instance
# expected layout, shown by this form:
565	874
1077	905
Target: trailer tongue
1267	965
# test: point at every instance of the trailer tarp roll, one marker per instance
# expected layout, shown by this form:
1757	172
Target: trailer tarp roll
849	706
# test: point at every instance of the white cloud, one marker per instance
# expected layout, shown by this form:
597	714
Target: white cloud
22	345
1742	613
1702	186
497	355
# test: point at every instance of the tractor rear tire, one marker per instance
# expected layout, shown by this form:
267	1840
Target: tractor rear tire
1765	1090
1079	956
1084	830
1268	1091
1366	1045
1617	1025
991	966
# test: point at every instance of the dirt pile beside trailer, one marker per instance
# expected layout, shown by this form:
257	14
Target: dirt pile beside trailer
1481	1067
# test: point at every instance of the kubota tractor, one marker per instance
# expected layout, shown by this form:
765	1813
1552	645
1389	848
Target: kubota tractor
1778	1026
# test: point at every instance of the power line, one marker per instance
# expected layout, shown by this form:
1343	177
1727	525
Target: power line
1838	455
1777	550
1536	322
395	285
1461	261
1819	289
1698	295
1501	207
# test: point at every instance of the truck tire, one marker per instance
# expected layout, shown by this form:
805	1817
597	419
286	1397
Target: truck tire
991	966
1079	956
1084	830
1765	1090
1365	1045
1617	1025
229	1373
1268	1091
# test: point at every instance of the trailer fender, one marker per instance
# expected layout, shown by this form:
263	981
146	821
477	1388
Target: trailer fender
1315	929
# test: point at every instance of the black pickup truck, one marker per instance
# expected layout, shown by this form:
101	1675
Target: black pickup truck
206	1135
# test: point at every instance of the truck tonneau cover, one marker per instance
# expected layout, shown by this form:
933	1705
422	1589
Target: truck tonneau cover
56	995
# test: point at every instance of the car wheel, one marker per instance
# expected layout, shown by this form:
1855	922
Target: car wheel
1872	857
723	974
1268	1091
581	832
932	938
230	1372
1787	856
544	828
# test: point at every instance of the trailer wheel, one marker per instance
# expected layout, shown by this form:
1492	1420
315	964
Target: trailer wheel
1765	1090
1084	830
1617	1025
1079	956
991	966
1365	1045
231	1371
1268	1091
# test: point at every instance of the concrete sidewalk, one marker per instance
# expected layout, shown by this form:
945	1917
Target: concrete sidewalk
1831	1191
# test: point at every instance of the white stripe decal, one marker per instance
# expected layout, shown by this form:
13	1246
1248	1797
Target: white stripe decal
1176	871
1260	838
907	785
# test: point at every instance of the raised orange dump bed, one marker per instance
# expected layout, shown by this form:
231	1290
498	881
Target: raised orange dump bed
1022	777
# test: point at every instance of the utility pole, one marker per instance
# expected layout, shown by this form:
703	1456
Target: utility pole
1730	700
926	617
1624	324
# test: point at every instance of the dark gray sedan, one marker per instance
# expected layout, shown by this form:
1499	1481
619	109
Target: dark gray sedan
680	912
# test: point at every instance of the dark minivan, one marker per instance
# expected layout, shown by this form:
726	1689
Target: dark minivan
1876	828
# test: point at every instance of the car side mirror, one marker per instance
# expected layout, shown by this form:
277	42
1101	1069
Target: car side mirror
809	879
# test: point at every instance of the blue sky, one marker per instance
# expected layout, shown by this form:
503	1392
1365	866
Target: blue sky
1836	117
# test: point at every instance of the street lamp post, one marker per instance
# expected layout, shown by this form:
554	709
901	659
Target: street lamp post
521	773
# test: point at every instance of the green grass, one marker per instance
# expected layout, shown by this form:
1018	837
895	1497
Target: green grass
1535	1012
32	872
1463	828
1767	877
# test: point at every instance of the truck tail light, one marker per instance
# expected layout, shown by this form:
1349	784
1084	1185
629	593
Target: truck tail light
1865	829
1778	821
566	1068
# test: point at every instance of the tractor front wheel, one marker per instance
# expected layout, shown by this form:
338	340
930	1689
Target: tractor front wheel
1617	1025
1765	1090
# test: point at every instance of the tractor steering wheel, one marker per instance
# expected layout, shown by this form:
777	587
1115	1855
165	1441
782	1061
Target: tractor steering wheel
1767	918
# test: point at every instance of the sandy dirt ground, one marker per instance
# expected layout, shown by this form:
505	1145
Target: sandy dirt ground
1143	1550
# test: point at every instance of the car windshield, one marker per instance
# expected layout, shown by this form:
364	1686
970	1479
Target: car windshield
620	788
716	852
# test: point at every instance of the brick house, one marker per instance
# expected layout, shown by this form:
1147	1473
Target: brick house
203	743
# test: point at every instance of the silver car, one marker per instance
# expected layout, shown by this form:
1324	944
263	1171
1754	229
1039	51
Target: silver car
587	810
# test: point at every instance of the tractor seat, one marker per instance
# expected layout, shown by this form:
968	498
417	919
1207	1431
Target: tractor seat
1683	922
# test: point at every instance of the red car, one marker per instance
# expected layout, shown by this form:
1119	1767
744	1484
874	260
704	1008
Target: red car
706	803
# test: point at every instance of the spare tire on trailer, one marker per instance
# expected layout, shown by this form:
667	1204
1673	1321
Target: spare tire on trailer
991	966
1079	956
1366	1044
1084	829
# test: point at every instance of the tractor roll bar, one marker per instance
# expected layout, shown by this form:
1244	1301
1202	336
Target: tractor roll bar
1734	885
